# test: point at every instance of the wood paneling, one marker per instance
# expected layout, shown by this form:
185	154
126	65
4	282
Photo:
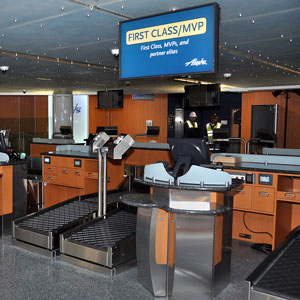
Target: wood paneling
37	149
161	238
26	117
9	112
131	119
261	98
145	157
293	132
41	116
54	194
258	223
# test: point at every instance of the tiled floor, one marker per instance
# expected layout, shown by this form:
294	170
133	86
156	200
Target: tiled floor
27	275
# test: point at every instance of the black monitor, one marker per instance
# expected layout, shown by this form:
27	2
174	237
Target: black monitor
202	95
2	143
152	131
110	99
6	136
187	152
221	134
65	130
109	130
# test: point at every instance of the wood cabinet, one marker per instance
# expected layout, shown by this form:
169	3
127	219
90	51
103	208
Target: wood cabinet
264	199
254	205
6	190
287	206
265	212
67	177
243	197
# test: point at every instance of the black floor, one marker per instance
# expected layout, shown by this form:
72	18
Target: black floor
27	275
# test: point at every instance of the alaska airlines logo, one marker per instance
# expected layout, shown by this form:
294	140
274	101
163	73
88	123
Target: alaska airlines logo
76	109
195	62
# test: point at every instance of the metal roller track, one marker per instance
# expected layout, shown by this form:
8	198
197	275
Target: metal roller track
107	242
42	228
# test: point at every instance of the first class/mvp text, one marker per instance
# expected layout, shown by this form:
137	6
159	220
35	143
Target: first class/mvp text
166	31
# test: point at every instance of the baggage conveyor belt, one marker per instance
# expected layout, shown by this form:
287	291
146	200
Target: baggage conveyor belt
277	277
42	229
104	244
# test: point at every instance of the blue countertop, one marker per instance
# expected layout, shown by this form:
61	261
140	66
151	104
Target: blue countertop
75	154
260	167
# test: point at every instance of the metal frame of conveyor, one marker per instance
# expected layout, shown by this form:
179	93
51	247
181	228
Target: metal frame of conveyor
106	244
277	276
40	231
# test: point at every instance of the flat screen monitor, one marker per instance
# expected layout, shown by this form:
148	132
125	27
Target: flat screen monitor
6	135
65	130
178	42
202	95
2	143
110	99
152	130
221	133
187	152
109	130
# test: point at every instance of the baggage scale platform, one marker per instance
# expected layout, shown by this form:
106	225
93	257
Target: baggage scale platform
106	244
40	231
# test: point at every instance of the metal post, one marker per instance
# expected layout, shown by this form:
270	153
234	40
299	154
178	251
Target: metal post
104	181
242	140
100	204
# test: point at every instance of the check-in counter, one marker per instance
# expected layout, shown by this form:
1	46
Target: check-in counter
41	145
183	238
142	154
68	174
267	205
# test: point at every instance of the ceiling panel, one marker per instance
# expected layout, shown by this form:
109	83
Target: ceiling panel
66	44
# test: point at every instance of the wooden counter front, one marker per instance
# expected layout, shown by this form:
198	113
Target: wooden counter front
62	180
6	190
266	213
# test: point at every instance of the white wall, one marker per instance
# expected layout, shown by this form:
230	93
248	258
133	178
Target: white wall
80	117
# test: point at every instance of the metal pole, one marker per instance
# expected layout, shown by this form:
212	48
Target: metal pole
240	139
100	204
104	181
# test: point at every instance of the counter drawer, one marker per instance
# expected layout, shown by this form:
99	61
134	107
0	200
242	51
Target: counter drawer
264	199
70	177
288	196
243	197
50	170
91	175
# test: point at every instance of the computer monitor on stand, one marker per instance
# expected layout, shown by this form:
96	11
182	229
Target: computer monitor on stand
187	152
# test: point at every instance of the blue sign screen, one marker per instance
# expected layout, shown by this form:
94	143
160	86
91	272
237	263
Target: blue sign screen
181	42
